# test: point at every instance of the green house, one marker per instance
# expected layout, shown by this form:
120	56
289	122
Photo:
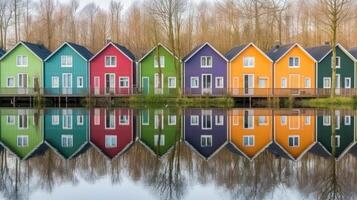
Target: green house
21	131
66	130
159	130
21	71
345	133
159	60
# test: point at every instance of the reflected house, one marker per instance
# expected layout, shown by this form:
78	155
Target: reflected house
345	133
159	130
294	132
250	130
205	130
21	131
112	130
66	131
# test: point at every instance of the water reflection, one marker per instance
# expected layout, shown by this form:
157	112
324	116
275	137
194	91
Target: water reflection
247	153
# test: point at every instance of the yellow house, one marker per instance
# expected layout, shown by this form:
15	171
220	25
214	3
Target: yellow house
250	71
294	132
250	130
294	70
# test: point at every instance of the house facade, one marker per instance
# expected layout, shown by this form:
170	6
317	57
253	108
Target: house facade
112	71
250	71
67	71
159	72
205	72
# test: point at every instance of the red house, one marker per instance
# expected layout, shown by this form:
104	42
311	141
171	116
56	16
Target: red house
112	71
112	130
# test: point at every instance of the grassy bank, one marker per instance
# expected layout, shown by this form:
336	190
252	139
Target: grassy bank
338	102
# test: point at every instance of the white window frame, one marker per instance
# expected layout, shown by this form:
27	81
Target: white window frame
171	120
347	120
22	61
326	120
55	84
207	115
204	140
348	79
124	79
283	120
337	139
307	82
265	79
338	62
217	81
67	116
96	116
25	118
194	120
249	62
250	138
265	120
67	141
294	137
162	140
111	117
204	62
171	78
162	62
123	119
284	82
55	120
197	80
307	120
328	79
80	120
219	120
111	65
295	65
24	141
10	119
66	61
148	119
13	83
79	79
111	138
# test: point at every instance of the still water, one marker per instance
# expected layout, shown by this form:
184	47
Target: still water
126	153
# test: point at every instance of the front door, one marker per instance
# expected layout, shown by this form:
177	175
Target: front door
22	83
206	83
158	87
235	86
109	83
248	84
145	85
294	83
96	85
338	84
67	83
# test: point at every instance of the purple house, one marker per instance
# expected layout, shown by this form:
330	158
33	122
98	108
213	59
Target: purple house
205	72
205	131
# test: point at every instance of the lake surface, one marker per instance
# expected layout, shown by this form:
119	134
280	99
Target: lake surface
172	153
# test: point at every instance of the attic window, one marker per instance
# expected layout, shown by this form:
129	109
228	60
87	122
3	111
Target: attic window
110	61
66	61
21	61
206	61
338	62
294	62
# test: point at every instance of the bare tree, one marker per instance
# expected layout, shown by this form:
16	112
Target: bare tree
47	8
5	19
115	14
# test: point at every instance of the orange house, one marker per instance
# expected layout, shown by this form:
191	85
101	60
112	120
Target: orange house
294	132
294	70
250	71
250	130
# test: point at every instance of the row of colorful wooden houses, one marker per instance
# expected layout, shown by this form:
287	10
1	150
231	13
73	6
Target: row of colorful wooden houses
72	70
248	132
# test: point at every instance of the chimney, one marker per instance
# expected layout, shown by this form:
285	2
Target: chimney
108	41
277	44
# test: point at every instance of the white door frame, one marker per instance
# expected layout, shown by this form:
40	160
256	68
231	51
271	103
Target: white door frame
207	90
96	81
111	89
20	83
67	86
158	90
235	85
250	89
290	83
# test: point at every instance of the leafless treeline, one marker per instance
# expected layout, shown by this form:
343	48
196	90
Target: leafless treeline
180	24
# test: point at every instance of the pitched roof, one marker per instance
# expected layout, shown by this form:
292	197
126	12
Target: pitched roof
38	49
158	45
353	52
278	51
81	50
236	50
277	151
2	52
125	51
198	48
319	52
192	52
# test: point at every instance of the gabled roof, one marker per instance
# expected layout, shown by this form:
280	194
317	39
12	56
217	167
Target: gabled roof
278	151
319	52
250	158
121	48
235	52
80	50
163	46
278	52
37	49
198	48
2	52
61	153
353	52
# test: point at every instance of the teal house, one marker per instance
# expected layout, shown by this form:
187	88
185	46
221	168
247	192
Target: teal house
345	68
345	133
67	71
66	131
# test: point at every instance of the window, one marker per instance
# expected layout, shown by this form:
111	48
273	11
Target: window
10	119
337	141
159	140
347	82
80	82
172	120
326	120
124	120
263	120
111	141
96	116
248	62
21	61
307	120
219	82
206	140
66	61
10	82
80	120
159	119
145	117
110	119
206	61
110	61
23	121
206	119
67	119
248	140
171	82
263	82
55	82
347	120
294	62
67	141
294	141
338	62
327	82
162	62
123	82
307	83
219	120
284	83
283	120
55	119
194	82
194	120
248	119
22	141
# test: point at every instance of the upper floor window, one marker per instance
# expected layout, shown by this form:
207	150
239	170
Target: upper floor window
248	61
338	62
111	141
294	62
22	140
66	61
206	141
22	61
124	82
206	61
248	140
67	141
162	62
294	141
110	61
